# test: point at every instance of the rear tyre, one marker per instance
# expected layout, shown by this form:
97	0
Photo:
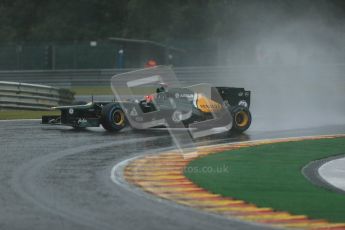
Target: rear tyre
113	118
242	119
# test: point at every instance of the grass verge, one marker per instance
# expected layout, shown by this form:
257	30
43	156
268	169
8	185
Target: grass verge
270	176
24	114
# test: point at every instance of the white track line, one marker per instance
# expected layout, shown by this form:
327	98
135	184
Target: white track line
116	177
119	166
334	172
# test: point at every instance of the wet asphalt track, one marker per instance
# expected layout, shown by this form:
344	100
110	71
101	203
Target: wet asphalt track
59	178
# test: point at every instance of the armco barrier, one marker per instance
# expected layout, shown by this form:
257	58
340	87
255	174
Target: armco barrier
101	77
15	95
217	75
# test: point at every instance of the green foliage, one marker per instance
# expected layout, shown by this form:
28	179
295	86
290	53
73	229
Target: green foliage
65	20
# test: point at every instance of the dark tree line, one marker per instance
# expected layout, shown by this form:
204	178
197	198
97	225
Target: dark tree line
159	20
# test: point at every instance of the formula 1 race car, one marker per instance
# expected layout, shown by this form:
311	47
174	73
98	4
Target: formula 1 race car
188	107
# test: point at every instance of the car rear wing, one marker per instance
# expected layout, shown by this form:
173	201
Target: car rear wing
234	96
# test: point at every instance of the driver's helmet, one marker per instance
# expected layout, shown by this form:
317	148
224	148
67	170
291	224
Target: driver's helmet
163	87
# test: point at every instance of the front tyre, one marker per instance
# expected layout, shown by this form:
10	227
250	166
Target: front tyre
242	119
113	118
